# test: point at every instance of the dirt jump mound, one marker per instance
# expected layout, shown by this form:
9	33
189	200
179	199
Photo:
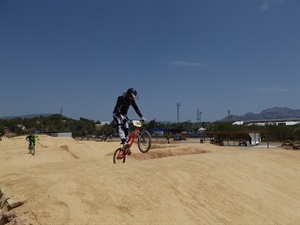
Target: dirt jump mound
161	152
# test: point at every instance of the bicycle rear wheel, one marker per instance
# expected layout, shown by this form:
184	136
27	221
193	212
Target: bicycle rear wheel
144	141
116	158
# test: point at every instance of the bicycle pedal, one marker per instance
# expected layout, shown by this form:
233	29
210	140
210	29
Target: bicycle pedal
128	152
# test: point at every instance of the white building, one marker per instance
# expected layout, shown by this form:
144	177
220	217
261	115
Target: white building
284	122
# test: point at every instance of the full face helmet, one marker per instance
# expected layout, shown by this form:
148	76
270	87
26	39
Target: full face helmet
131	92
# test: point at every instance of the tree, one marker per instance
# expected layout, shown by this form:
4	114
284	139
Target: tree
296	132
2	130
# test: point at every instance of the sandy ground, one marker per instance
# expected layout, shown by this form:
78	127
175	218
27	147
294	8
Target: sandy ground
75	182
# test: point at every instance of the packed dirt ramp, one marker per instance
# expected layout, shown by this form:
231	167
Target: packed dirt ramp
166	151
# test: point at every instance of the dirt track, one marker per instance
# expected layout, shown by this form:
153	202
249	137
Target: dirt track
75	182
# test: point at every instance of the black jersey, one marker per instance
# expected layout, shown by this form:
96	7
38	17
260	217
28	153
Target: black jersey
123	104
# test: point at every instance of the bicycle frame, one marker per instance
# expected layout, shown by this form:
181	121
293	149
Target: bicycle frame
133	136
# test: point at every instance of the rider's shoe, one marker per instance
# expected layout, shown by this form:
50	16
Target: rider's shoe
123	141
126	147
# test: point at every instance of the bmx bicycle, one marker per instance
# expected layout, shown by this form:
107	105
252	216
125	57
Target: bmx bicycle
143	142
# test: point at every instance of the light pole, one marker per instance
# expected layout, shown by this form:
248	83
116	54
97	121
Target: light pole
199	113
178	105
228	111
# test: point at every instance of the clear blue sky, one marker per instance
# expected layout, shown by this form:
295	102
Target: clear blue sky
215	55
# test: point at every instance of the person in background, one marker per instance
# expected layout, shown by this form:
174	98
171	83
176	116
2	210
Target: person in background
32	138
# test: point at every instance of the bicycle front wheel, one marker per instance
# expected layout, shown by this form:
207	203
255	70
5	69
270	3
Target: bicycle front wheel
119	156
144	141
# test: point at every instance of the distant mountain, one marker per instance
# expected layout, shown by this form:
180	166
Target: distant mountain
28	116
267	114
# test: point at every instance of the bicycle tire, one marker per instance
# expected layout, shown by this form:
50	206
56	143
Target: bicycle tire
144	141
115	160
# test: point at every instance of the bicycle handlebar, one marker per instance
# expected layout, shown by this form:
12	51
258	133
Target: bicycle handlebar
125	118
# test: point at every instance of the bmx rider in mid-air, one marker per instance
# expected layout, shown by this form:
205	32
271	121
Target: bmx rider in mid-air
121	110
